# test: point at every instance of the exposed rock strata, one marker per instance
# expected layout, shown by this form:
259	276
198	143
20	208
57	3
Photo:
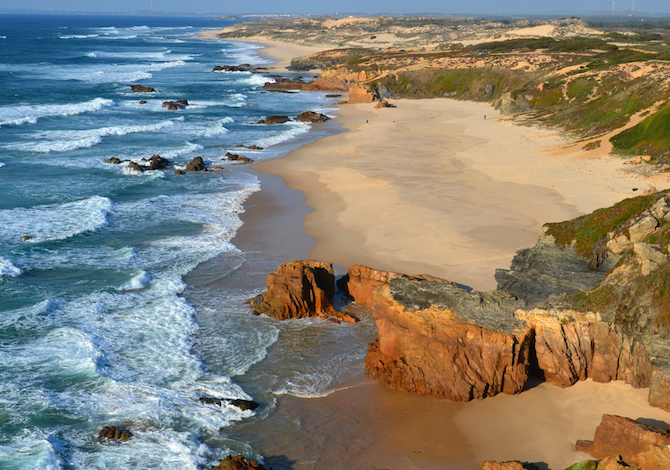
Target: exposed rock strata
632	440
299	289
327	84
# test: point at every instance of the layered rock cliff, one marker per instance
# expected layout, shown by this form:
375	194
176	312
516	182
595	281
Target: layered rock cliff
588	301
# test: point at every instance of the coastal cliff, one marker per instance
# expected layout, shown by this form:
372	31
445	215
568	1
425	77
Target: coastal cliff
588	301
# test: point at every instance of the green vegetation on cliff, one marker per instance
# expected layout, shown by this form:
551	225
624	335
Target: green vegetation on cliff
651	136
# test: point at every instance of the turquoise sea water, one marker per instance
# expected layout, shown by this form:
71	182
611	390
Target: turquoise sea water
94	327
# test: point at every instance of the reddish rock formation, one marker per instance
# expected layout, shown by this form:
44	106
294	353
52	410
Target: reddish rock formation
435	352
572	346
625	437
239	463
360	94
328	84
300	289
384	104
658	458
112	432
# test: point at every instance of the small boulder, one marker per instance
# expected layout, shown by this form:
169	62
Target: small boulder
142	89
26	238
311	116
274	120
113	160
179	172
143	101
196	165
333	95
174	105
157	162
660	209
112	432
384	104
254	147
232	157
618	245
239	463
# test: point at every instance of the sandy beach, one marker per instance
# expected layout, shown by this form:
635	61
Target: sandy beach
433	187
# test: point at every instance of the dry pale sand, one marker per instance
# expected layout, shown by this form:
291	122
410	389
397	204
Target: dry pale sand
432	187
281	52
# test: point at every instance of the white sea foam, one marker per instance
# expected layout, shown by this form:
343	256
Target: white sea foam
79	36
8	269
259	80
66	141
29	114
54	221
1	164
164	55
217	128
294	130
185	150
139	281
29	452
109	73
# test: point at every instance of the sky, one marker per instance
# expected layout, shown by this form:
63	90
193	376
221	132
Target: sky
345	6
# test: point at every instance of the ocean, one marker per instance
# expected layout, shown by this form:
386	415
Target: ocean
97	324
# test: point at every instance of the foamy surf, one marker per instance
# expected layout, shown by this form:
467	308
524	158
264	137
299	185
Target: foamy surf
8	269
54	221
29	114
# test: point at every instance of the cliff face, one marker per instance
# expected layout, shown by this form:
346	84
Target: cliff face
593	315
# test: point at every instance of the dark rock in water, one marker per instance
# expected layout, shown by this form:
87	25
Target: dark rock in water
157	162
142	89
174	105
179	172
26	238
333	95
232	157
311	116
238	402
196	165
254	147
113	160
238	68
239	463
544	270
112	432
136	167
274	120
143	102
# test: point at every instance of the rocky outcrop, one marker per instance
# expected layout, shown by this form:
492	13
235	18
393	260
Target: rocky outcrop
142	89
233	157
384	104
112	432
323	84
113	160
274	120
135	167
570	346
238	462
617	435
546	269
156	162
311	116
300	289
238	402
438	339
175	105
360	94
239	68
197	164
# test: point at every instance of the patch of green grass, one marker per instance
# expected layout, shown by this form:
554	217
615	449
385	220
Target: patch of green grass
589	232
592	145
586	465
581	88
651	137
599	299
550	44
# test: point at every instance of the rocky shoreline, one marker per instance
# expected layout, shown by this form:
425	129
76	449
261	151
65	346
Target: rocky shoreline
442	339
